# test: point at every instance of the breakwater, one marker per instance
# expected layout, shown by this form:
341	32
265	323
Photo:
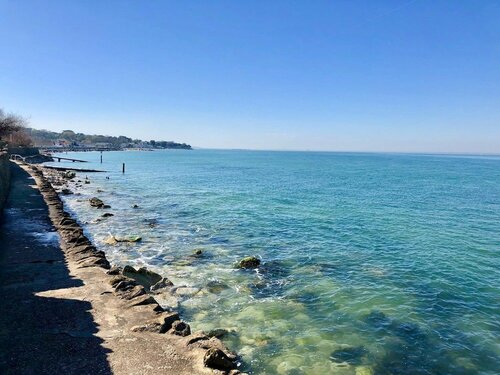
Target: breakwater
4	177
126	294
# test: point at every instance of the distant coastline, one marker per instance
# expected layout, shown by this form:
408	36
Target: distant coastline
68	140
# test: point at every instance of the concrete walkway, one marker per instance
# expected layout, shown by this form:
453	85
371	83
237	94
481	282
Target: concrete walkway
59	313
40	335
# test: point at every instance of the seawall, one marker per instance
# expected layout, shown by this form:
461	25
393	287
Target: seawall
135	332
4	177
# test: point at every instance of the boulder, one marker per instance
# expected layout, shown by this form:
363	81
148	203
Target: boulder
163	283
66	192
249	262
143	276
107	214
96	202
217	359
180	328
167	321
69	175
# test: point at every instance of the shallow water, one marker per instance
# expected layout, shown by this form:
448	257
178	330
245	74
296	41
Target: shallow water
372	263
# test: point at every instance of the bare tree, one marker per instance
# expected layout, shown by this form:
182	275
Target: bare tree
12	126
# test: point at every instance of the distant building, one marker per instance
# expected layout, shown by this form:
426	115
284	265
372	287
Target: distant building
102	145
61	143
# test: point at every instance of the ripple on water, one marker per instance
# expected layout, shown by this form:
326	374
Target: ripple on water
372	264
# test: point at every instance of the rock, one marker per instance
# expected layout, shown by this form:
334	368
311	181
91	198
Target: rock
186	291
115	270
69	175
136	291
197	253
95	262
105	206
350	355
216	286
96	202
249	262
112	240
152	223
160	325
87	181
107	214
142	276
167	321
66	192
182	262
163	283
180	328
217	359
125	285
218	332
135	206
196	337
117	279
145	300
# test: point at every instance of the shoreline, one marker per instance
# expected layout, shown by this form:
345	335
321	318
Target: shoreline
125	298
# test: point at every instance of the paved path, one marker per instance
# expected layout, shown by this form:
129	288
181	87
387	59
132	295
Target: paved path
40	335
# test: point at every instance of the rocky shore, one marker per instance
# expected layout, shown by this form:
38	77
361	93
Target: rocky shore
142	336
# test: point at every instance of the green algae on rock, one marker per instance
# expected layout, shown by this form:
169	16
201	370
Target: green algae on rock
249	262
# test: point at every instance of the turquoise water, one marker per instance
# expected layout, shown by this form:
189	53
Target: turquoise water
371	263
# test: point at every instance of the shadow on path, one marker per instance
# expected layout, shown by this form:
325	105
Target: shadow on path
40	335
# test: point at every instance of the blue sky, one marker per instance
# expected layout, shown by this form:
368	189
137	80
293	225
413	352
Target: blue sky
305	75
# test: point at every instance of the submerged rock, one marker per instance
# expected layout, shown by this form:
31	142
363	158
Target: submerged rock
218	333
112	240
197	253
152	223
249	262
142	276
107	214
216	286
352	355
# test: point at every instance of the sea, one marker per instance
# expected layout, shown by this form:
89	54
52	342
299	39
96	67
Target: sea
371	263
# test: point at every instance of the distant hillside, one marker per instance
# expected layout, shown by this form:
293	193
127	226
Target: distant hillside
70	139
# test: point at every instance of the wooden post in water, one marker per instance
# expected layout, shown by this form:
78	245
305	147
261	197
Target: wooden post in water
101	157
123	168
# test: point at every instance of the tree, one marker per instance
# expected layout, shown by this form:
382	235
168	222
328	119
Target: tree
10	123
13	130
21	138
